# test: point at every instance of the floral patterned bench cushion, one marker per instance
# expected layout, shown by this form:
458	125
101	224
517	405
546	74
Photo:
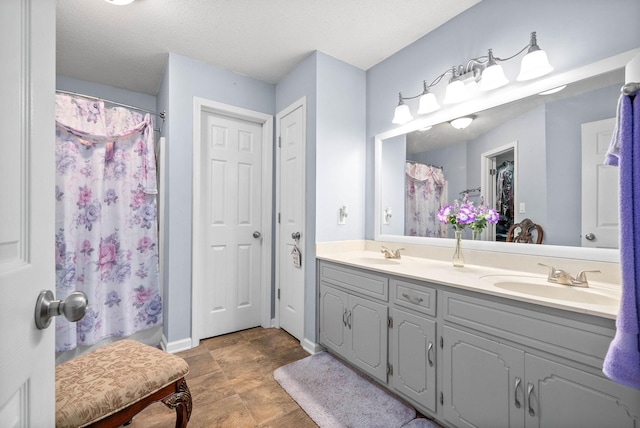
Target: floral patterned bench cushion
111	378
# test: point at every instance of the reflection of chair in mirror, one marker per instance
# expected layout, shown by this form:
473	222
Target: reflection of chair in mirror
526	226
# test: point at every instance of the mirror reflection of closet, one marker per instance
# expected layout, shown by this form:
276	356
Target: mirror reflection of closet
499	178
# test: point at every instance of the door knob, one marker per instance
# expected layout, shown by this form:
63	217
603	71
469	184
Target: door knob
590	236
256	234
295	235
73	307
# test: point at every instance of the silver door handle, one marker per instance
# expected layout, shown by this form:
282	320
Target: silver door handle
590	236
257	234
412	299
529	391
515	393
429	351
295	235
73	307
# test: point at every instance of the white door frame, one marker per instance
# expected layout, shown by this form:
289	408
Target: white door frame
299	103
200	106
487	180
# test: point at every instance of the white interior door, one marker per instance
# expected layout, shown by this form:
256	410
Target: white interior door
230	293
27	144
600	222
291	182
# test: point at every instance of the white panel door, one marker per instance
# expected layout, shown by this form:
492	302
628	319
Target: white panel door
231	200
27	144
292	200
600	222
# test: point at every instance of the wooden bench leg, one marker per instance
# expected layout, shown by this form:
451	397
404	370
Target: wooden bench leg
181	401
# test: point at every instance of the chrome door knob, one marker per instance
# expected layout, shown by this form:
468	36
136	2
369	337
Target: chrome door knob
73	307
257	234
590	236
295	235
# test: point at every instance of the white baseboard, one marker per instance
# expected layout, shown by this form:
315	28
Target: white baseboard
311	347
177	346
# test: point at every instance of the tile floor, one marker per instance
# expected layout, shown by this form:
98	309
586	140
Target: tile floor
232	385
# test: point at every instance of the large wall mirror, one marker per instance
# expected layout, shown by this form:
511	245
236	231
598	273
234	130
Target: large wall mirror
530	156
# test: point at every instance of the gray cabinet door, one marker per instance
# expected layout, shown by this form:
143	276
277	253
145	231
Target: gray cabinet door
483	381
413	357
562	396
368	323
333	319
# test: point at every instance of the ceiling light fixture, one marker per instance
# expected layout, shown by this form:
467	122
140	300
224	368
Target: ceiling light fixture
120	2
462	122
485	69
552	91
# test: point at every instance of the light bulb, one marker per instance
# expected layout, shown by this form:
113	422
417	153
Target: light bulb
428	103
455	92
402	115
493	77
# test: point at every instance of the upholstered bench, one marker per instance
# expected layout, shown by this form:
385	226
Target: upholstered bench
108	386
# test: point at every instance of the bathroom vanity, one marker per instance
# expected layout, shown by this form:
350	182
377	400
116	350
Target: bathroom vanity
475	346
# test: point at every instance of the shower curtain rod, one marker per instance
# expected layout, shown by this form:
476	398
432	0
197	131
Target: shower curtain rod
161	115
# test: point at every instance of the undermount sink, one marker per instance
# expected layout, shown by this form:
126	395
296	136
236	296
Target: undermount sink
540	287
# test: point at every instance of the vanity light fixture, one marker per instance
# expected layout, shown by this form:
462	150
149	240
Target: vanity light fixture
120	2
483	73
462	122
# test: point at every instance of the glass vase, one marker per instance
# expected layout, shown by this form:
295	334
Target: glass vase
458	259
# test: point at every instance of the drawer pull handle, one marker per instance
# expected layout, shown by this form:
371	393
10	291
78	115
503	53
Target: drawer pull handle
529	391
349	320
429	351
412	299
515	393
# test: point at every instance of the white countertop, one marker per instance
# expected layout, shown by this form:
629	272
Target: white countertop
599	299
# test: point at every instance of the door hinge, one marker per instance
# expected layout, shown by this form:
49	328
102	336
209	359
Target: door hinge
279	142
278	294
492	171
441	342
390	322
441	398
389	369
278	218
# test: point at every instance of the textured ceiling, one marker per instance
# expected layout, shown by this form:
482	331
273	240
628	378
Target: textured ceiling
127	46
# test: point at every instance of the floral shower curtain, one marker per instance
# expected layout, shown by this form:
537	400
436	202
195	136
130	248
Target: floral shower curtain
106	224
425	193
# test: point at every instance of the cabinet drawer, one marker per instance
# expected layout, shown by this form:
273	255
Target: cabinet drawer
568	337
417	297
355	280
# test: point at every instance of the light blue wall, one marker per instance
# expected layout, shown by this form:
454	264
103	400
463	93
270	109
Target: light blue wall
573	32
135	99
335	100
531	184
392	180
189	78
301	82
340	149
564	159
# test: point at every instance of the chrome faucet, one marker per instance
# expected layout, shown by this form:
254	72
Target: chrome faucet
559	276
388	254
